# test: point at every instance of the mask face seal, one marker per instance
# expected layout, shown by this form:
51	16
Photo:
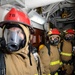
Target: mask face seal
69	37
13	41
54	40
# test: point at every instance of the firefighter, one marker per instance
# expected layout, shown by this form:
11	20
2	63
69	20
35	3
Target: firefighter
66	51
49	53
14	45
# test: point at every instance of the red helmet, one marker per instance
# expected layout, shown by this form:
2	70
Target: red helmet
17	16
69	31
54	31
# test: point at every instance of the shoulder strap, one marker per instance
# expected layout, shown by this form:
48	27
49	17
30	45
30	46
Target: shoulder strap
72	45
48	46
2	64
61	45
30	50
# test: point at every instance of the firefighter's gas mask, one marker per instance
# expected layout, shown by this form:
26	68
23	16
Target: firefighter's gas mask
69	37
54	40
14	39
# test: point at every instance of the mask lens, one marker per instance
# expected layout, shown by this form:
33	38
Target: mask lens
12	39
54	40
69	37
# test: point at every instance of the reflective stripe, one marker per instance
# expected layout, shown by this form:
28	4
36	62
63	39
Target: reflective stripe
61	63
55	62
45	74
56	73
35	74
49	74
66	54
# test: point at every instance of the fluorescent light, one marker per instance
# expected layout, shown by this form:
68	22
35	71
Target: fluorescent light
35	17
